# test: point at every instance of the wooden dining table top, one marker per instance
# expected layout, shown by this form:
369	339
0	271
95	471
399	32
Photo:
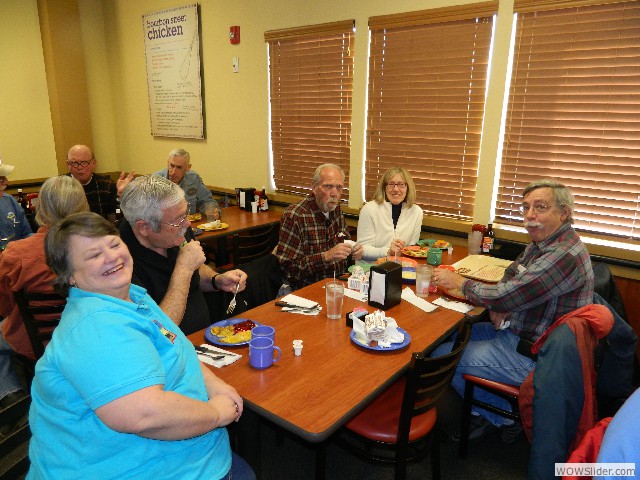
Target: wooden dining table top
313	394
239	220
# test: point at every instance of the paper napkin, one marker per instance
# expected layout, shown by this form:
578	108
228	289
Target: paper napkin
453	305
410	296
300	302
355	294
227	359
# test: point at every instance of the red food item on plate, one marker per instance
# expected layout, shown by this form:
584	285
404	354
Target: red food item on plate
243	326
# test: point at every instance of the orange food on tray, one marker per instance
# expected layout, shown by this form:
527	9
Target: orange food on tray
440	244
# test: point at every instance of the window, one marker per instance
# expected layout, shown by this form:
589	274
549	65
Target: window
427	84
574	112
311	86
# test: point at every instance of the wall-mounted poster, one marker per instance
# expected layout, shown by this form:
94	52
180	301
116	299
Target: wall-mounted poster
172	50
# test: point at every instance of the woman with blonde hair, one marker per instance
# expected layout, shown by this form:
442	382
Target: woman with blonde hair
391	220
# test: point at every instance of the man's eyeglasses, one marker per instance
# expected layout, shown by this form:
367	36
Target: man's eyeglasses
181	222
82	163
400	185
538	208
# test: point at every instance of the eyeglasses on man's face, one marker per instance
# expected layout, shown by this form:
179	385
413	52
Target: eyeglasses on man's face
400	185
538	208
80	164
180	223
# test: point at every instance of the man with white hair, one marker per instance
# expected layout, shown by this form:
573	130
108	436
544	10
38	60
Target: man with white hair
312	232
196	193
167	260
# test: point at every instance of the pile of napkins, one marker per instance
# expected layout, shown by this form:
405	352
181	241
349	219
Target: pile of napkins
378	328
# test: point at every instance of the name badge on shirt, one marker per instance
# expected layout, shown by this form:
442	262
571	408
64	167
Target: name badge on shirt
170	335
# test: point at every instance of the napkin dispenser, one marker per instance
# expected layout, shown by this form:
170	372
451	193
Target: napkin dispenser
385	285
245	197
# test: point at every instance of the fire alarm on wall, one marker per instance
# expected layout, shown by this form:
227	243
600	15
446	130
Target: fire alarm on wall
234	34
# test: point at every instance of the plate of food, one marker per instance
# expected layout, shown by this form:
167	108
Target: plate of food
212	226
394	346
415	251
194	217
230	333
433	243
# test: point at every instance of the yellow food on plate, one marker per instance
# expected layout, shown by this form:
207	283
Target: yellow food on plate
237	337
194	217
223	331
440	244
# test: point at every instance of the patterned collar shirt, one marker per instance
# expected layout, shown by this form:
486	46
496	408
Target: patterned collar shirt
548	280
305	233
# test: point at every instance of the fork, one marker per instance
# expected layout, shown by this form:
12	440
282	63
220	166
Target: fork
232	303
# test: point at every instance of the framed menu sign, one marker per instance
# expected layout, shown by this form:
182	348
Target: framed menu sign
172	51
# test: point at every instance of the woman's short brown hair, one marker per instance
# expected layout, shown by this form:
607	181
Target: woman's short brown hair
56	244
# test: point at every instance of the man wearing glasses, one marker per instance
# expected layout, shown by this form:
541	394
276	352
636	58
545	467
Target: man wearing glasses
167	261
312	232
102	192
552	277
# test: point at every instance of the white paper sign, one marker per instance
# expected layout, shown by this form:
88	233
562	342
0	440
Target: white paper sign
172	51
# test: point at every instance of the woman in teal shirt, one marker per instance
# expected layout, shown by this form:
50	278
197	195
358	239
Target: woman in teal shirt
119	392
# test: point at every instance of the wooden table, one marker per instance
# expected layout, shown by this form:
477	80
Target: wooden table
314	394
239	220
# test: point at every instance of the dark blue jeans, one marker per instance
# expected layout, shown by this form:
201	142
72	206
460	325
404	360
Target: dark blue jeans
240	469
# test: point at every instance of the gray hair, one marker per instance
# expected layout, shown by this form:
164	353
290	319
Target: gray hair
562	196
324	166
60	197
180	152
147	197
56	243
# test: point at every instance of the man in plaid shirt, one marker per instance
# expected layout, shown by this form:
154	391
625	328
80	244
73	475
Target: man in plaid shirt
312	233
552	277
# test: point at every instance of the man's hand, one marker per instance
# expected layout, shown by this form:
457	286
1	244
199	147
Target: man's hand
497	318
338	252
191	256
447	279
227	281
123	181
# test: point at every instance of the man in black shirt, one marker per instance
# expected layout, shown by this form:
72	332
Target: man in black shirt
167	261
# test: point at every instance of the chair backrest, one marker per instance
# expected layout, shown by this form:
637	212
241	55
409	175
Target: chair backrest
41	314
14	454
254	243
428	379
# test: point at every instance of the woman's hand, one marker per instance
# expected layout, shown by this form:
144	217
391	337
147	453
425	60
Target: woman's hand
228	410
396	246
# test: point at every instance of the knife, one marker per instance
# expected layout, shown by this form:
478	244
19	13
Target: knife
297	307
212	352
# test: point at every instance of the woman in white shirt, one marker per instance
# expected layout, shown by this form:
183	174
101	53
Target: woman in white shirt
391	220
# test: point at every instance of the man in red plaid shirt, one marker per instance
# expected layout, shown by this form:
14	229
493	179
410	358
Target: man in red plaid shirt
312	233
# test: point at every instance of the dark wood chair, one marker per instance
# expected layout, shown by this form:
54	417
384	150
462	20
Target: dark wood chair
251	245
41	314
14	446
401	425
